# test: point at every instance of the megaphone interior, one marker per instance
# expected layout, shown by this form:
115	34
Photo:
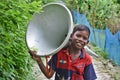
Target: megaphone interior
50	30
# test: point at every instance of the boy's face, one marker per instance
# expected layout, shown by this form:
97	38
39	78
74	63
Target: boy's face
80	39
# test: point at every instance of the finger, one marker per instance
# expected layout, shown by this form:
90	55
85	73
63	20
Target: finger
30	52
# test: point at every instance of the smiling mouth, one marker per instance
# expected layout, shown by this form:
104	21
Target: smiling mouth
79	45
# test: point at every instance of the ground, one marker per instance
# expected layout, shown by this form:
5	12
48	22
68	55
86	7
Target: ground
105	70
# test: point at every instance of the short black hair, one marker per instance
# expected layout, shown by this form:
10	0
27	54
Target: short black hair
81	28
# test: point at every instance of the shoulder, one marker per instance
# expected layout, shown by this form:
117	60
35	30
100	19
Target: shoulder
87	58
59	54
62	51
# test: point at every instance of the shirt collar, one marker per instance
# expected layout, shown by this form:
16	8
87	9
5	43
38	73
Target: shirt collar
82	55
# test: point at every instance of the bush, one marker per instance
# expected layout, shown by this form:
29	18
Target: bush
15	63
101	53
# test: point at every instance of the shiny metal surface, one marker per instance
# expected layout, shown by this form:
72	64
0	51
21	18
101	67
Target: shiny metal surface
49	31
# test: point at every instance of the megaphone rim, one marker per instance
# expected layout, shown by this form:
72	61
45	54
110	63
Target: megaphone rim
67	37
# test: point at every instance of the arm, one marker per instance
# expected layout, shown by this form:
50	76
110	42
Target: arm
89	73
48	72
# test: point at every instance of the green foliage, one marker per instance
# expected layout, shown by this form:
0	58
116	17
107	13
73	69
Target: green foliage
101	53
100	13
47	1
15	63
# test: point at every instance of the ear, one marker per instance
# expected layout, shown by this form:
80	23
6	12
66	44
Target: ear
71	36
87	41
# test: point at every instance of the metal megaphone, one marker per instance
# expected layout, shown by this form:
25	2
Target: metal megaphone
50	30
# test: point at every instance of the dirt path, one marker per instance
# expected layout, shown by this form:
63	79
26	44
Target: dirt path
104	71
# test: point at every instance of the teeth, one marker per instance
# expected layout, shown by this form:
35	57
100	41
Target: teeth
78	44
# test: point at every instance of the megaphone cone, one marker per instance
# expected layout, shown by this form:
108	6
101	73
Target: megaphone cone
50	30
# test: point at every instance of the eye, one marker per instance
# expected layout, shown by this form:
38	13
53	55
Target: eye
85	38
78	35
81	36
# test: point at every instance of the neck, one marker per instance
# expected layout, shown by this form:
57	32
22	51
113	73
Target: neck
75	53
73	50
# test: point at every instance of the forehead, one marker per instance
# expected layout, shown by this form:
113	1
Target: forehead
83	33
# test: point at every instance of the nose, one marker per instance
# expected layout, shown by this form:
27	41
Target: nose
80	38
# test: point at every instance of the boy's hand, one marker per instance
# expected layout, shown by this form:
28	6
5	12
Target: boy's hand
34	55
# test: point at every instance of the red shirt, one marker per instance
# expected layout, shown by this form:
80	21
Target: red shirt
66	69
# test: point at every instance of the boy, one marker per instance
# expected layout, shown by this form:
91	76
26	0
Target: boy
72	62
